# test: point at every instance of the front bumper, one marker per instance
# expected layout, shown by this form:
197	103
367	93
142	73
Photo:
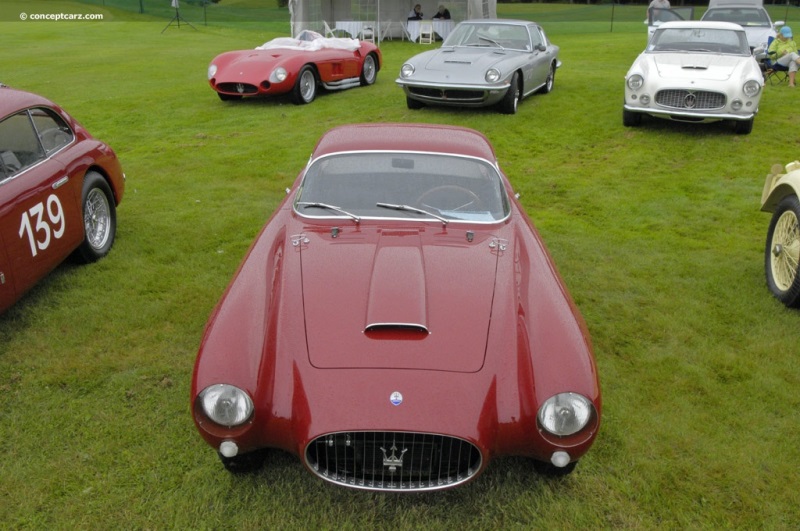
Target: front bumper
689	116
461	95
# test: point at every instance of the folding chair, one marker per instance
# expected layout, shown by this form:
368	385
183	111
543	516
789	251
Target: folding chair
368	32
388	30
774	73
426	32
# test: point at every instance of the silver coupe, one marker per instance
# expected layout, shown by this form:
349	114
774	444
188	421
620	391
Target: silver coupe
481	63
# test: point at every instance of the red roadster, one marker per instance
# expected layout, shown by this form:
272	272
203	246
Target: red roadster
398	323
59	189
295	66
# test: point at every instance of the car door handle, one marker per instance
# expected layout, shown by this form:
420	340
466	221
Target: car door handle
61	182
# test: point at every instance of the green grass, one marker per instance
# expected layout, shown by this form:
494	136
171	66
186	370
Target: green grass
656	230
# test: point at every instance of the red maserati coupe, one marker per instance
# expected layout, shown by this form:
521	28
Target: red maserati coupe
398	323
295	66
59	188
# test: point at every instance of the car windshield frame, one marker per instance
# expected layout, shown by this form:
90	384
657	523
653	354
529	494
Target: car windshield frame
718	41
402	185
502	35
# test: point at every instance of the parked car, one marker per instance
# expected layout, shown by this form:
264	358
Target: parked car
296	66
782	252
750	15
398	323
658	15
695	72
482	63
59	189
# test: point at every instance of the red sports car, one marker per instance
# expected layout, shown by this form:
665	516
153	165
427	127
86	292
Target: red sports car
59	188
398	323
296	66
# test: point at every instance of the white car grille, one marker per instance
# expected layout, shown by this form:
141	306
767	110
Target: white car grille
690	99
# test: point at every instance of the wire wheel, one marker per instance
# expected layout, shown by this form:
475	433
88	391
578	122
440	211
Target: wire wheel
97	219
782	260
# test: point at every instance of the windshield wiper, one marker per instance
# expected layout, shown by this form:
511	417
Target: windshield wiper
408	208
493	42
330	207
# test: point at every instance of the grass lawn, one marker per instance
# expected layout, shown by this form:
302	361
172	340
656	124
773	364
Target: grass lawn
656	230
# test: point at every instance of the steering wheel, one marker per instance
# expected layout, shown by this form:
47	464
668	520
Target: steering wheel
450	194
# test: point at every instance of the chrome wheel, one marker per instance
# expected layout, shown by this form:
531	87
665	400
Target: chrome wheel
97	219
305	88
369	70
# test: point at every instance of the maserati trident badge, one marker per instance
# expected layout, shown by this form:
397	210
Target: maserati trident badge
394	461
396	398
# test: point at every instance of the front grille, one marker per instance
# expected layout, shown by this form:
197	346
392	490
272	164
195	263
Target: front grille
688	99
397	461
237	88
459	95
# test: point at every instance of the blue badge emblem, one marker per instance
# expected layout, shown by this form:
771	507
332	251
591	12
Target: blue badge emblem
396	398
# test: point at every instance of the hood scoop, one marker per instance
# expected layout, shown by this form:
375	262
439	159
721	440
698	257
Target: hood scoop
694	67
397	298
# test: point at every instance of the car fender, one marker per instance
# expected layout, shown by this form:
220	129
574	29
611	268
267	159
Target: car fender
779	185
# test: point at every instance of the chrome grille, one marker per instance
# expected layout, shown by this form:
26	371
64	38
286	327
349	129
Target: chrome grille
237	88
688	99
463	95
397	461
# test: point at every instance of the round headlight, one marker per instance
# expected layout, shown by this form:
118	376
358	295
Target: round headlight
212	70
751	88
226	405
492	75
278	75
565	413
407	70
635	82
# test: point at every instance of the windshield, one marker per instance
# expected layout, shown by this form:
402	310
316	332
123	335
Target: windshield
745	17
421	186
720	41
513	36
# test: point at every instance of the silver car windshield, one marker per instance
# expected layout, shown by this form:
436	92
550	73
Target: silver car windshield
506	36
699	40
420	186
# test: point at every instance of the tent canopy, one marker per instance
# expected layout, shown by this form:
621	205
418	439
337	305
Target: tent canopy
311	14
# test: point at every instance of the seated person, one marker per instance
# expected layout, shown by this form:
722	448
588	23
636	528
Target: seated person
784	51
416	13
443	13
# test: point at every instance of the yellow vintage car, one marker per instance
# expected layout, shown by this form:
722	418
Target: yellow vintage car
782	253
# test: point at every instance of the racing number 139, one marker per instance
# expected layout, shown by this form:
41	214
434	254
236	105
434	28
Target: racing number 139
36	227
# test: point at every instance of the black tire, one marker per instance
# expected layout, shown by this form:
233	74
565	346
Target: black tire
743	127
99	218
510	101
414	104
369	70
228	97
550	82
244	463
553	471
305	88
782	252
631	119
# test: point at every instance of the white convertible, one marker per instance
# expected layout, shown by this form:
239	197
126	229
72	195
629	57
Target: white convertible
695	72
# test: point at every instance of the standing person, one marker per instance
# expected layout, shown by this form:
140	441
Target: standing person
659	4
785	51
416	13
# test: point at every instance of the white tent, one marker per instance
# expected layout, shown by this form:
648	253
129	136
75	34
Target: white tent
313	14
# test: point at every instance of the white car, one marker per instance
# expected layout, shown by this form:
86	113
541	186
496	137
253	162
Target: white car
695	72
782	253
750	15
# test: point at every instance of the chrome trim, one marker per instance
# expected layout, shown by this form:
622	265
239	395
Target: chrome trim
393	461
61	182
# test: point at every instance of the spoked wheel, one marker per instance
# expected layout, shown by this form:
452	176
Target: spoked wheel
99	218
369	71
782	253
511	99
305	88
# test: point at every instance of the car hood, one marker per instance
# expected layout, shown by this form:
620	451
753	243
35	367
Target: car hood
463	59
251	64
396	299
758	36
688	67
